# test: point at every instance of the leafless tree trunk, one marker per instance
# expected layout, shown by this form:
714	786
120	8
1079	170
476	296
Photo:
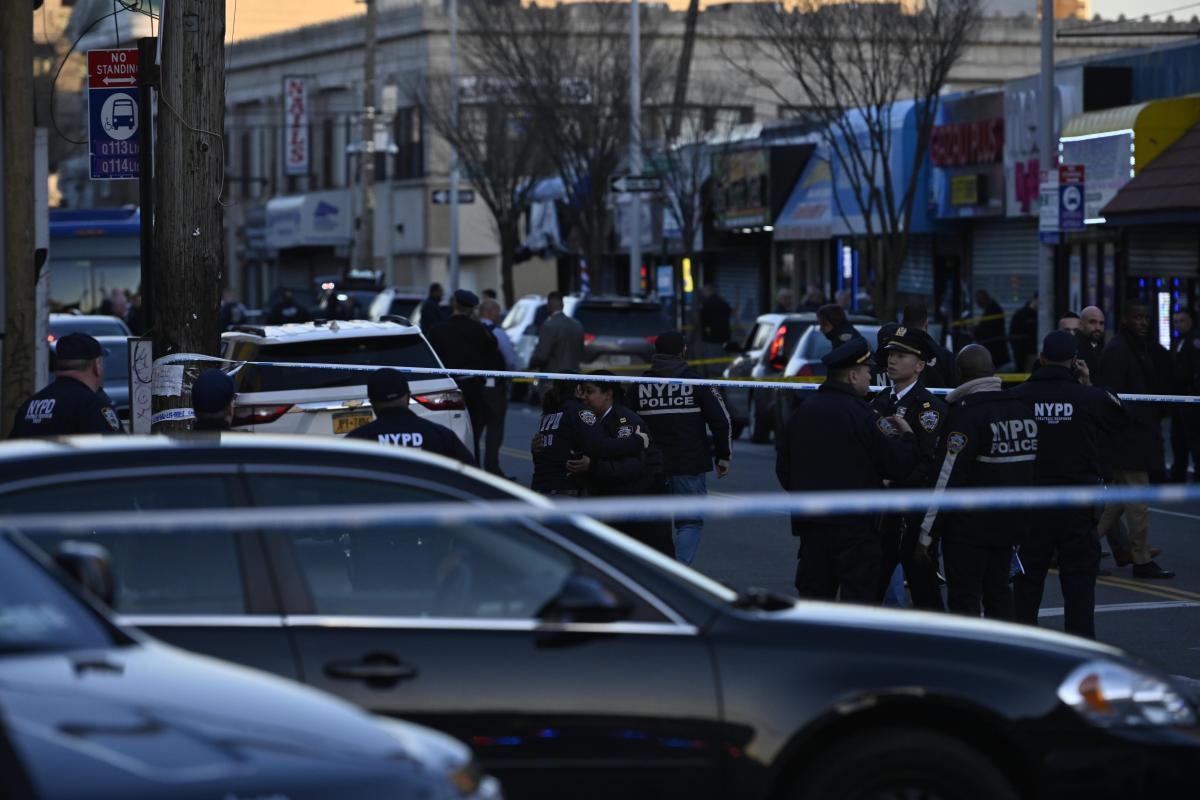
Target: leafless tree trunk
853	63
566	69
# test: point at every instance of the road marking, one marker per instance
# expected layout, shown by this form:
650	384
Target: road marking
1175	513
1114	607
1128	583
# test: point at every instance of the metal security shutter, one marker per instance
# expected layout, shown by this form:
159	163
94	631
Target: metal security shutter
1004	260
1164	252
916	274
738	282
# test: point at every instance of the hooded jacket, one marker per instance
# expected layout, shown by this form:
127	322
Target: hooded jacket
681	417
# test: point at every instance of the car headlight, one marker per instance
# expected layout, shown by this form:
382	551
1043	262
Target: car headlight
1114	696
472	783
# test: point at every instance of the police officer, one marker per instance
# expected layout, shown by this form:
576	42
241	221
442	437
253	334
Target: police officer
397	425
907	358
836	327
990	438
462	342
569	429
74	401
1072	416
835	440
212	401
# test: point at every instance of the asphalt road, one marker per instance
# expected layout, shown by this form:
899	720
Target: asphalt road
1158	621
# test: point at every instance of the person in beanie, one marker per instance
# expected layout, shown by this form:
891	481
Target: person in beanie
397	425
691	426
74	401
462	342
212	401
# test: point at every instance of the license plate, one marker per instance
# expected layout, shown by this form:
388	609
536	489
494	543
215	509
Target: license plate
346	421
618	359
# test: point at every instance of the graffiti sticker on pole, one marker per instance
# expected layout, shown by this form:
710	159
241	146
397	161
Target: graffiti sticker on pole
113	114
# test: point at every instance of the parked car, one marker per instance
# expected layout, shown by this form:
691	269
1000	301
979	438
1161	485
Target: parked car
765	354
569	655
805	362
92	708
618	331
322	401
395	302
59	325
346	296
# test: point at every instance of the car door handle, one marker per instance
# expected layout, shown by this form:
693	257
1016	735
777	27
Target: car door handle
375	669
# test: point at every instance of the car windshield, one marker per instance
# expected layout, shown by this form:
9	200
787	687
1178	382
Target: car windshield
408	350
39	615
623	320
93	326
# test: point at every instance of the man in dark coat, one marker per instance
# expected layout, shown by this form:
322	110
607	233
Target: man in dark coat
1022	332
834	325
431	308
715	330
989	330
1127	367
939	369
463	343
1185	419
835	440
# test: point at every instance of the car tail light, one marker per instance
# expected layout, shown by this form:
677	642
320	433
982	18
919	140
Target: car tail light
775	352
588	338
50	338
451	400
257	415
806	371
652	339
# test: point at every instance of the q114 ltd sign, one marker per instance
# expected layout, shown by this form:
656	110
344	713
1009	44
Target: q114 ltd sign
113	114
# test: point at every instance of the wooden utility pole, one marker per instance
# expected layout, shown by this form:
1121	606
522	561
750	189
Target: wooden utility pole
20	278
189	172
364	255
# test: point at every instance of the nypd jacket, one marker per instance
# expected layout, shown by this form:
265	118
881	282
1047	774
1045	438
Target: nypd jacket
1072	419
681	417
990	439
564	434
627	474
65	406
924	413
400	427
835	440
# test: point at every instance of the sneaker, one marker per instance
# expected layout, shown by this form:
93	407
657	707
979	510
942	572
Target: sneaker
1151	570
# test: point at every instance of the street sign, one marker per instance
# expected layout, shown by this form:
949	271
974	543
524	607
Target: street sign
441	197
1070	197
113	114
635	184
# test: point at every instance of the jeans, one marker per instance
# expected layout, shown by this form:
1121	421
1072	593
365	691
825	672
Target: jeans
687	530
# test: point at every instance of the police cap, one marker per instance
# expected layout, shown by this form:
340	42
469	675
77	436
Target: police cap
851	354
212	392
1060	346
386	385
466	298
77	347
908	340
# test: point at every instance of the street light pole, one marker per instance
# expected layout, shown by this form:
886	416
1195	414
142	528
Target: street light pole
365	252
635	146
1048	160
452	264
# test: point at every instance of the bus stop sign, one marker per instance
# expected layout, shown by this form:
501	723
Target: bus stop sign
113	114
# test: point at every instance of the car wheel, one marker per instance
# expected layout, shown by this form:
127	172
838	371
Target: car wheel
898	762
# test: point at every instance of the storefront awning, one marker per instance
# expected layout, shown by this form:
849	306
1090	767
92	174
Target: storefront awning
807	213
317	219
1166	191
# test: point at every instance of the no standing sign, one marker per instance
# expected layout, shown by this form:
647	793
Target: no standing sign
113	114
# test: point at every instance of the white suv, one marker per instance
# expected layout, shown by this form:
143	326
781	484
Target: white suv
332	402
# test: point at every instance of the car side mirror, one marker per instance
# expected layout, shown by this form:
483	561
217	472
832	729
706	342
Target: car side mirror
90	566
582	598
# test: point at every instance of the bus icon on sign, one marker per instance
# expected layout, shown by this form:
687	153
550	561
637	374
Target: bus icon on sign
122	113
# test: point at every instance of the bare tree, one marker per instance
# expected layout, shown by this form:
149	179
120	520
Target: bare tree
499	152
566	68
852	63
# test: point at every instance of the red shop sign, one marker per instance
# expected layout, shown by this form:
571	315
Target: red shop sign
961	143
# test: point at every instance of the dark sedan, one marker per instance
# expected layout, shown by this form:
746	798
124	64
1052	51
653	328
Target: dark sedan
90	709
579	663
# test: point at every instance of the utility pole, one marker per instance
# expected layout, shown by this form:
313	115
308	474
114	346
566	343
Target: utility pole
188	239
20	276
147	79
365	251
1049	161
452	264
635	146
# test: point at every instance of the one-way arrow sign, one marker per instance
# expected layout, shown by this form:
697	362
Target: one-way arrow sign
441	197
630	184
